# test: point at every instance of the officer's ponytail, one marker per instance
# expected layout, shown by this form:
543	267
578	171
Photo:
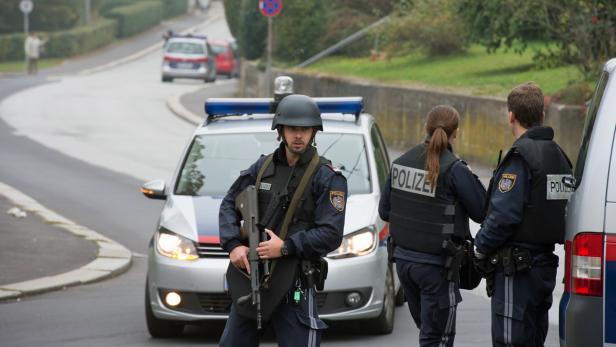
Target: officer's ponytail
441	123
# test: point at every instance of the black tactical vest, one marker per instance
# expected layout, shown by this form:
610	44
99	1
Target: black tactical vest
422	217
543	223
276	190
278	184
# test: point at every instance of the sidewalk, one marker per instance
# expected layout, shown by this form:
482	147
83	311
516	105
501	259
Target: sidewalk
45	251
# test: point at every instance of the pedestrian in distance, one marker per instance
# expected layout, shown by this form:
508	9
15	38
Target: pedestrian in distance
301	208
167	35
525	219
428	200
33	46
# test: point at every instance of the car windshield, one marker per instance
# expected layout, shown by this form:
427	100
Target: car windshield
215	161
185	48
217	49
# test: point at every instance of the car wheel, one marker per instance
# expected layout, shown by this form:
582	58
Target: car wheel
167	79
159	328
400	298
384	323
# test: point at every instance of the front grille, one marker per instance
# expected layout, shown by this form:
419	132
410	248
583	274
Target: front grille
215	302
209	250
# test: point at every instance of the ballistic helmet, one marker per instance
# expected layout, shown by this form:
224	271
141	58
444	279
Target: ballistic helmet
298	110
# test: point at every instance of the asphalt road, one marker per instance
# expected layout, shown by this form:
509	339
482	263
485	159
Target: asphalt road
82	145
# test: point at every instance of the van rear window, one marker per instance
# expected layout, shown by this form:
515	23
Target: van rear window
591	116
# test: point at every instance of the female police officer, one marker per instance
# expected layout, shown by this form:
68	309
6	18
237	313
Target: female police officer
315	229
427	199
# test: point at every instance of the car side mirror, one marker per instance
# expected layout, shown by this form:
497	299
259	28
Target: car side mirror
154	189
570	182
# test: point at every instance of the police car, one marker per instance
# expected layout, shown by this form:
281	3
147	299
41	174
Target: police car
188	57
588	305
186	265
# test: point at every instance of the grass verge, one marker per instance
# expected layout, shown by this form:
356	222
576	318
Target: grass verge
475	71
20	66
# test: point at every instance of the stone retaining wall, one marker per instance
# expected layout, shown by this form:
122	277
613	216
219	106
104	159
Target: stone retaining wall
400	112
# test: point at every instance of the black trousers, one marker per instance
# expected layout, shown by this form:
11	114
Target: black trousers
520	306
295	324
432	301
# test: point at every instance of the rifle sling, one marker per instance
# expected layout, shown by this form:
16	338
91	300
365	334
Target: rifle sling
299	192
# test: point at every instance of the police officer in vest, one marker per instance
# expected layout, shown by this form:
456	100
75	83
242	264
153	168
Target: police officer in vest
428	199
316	228
525	218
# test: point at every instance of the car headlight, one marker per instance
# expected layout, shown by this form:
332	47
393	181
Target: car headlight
361	242
175	246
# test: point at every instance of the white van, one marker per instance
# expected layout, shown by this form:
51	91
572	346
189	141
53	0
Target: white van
587	314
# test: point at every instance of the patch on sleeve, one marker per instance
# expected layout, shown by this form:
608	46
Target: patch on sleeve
336	198
506	182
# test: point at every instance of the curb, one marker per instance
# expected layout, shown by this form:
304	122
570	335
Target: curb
175	105
112	259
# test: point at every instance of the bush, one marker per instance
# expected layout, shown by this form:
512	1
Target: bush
133	19
48	15
172	8
430	25
12	47
299	28
108	5
574	94
80	39
252	31
63	43
344	22
232	14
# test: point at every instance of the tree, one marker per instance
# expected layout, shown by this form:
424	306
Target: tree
252	30
429	25
581	30
232	14
298	29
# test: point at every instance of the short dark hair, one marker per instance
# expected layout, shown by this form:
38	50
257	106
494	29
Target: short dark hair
526	103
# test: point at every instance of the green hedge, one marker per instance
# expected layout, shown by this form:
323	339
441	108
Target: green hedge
63	43
12	47
172	8
136	18
81	39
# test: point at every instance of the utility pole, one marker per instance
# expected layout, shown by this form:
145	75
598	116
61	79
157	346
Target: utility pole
87	9
268	66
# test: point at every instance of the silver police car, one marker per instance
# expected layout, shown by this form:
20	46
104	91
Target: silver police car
188	57
186	265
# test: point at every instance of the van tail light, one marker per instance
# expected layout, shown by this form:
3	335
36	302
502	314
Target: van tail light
586	263
168	58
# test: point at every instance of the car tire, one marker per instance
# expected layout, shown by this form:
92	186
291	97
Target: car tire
159	328
167	79
400	298
384	323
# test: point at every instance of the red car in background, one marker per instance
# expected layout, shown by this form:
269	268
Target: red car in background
227	60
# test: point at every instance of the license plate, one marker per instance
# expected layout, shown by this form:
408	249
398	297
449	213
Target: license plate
185	65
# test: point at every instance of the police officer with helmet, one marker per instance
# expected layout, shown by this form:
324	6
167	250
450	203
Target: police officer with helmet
316	228
428	199
525	219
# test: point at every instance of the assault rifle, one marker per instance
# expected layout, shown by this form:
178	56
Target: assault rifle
248	205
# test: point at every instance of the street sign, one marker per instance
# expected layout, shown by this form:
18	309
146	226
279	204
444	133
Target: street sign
26	6
270	8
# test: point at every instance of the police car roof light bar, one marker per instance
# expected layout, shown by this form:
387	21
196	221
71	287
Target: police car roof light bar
221	107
